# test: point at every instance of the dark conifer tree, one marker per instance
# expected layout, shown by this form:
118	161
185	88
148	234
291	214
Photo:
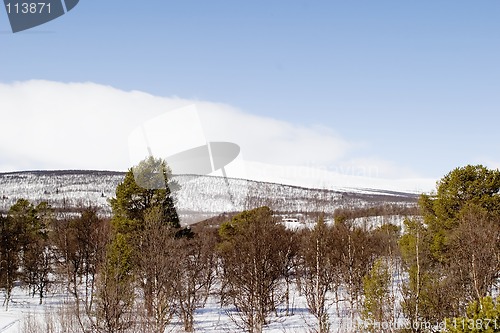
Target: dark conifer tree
147	185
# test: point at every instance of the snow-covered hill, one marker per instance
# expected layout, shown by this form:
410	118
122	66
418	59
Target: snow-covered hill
200	196
62	189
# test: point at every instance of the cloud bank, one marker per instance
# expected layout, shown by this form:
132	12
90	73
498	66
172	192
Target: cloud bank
53	125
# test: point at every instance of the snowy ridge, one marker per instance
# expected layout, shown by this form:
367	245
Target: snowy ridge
61	189
199	195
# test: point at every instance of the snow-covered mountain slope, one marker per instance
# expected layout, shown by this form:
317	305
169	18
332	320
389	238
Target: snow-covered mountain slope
198	198
62	189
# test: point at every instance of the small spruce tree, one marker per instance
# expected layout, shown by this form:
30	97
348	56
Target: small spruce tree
377	303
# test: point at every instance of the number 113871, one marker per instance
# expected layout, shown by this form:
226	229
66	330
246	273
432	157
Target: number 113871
28	8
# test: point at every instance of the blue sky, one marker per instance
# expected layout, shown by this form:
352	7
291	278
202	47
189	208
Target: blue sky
414	83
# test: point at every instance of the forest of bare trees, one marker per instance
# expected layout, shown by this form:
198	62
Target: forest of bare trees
140	271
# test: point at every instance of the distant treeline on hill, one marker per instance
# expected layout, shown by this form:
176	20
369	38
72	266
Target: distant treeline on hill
382	210
70	190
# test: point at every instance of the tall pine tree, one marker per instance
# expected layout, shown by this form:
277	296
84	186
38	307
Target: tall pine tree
147	185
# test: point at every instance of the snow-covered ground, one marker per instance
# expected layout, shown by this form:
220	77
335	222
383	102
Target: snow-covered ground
23	310
212	318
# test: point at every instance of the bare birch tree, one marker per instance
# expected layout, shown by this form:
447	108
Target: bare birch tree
252	269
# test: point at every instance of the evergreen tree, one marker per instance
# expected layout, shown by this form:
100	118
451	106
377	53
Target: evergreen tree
482	316
377	304
460	188
147	185
451	255
423	289
115	293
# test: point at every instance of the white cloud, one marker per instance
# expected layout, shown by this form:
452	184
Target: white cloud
52	125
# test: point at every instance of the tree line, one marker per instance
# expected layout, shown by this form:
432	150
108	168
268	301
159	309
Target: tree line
139	270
